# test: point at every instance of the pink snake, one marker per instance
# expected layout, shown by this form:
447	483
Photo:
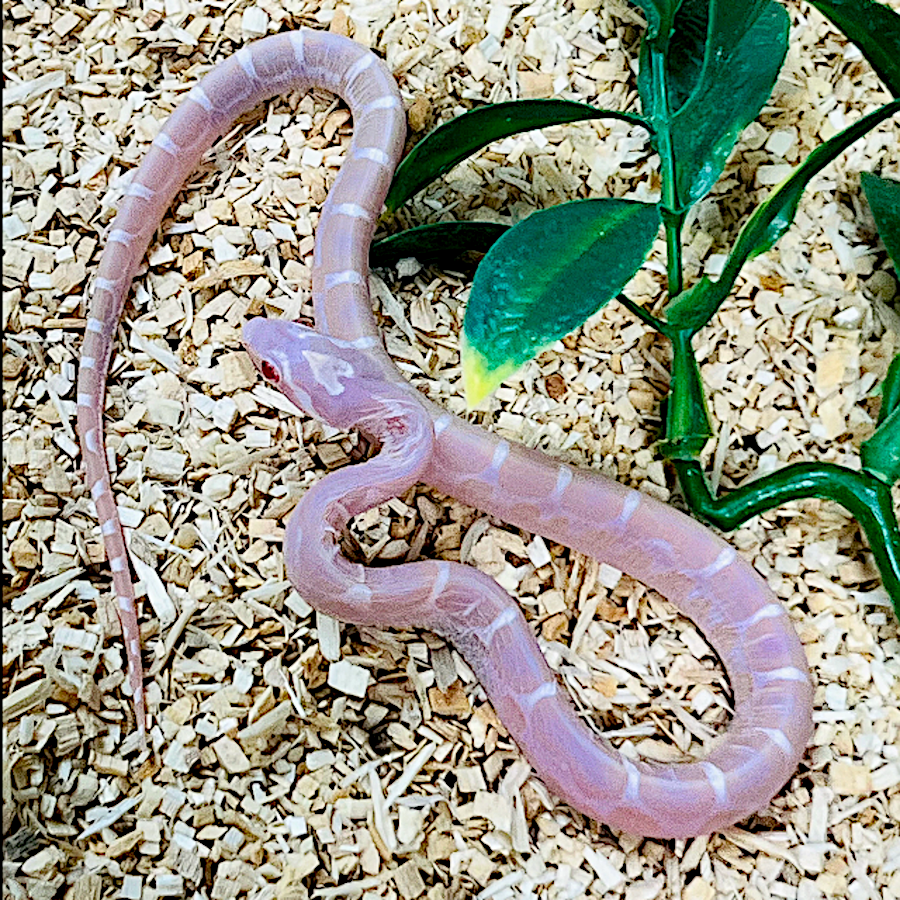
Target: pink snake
342	374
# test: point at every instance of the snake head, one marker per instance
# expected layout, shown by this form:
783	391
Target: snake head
333	380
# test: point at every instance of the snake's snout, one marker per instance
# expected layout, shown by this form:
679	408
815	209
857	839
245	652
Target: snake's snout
250	336
250	328
253	336
269	343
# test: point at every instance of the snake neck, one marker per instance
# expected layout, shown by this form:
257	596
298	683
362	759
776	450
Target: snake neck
402	428
399	423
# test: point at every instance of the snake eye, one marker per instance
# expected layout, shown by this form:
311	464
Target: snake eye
269	371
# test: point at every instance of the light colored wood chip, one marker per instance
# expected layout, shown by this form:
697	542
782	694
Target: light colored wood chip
288	755
348	678
230	755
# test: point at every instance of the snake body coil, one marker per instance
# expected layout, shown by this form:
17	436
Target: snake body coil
341	373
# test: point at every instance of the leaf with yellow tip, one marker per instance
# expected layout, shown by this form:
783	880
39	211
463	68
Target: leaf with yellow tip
480	378
544	277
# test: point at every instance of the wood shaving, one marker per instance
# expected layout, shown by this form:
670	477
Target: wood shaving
293	758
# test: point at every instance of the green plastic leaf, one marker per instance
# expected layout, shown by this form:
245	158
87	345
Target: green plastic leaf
880	454
746	45
438	242
883	195
874	28
693	308
660	16
890	390
453	141
698	117
680	59
544	278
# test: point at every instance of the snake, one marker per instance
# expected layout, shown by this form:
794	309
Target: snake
341	373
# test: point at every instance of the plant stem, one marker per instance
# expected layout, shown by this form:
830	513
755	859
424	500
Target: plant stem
687	420
674	270
641	313
672	218
863	495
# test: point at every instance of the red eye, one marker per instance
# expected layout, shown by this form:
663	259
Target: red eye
270	373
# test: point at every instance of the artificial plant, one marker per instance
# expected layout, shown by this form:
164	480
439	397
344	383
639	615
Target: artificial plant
707	67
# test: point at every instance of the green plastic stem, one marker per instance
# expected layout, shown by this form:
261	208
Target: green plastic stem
646	317
674	268
863	495
672	219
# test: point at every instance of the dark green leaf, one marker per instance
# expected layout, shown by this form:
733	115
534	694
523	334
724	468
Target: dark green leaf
682	61
698	116
453	141
883	195
880	454
890	390
746	46
544	277
439	242
660	15
693	308
874	28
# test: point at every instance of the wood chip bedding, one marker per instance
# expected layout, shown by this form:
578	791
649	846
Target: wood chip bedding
297	758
